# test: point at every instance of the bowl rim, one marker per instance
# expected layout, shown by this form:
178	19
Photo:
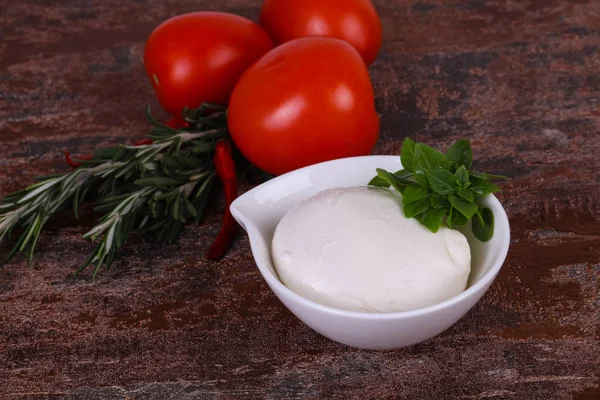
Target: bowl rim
276	285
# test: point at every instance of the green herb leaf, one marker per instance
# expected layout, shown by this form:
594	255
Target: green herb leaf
462	177
478	214
465	195
438	187
391	179
428	158
464	207
416	208
189	162
159	182
460	154
438	202
481	187
404	176
414	192
432	219
378	181
441	181
201	196
421	177
407	155
189	207
203	147
484	231
456	218
170	162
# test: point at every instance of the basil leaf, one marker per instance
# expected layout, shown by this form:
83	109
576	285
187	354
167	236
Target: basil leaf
483	175
456	218
414	192
441	181
462	176
438	201
420	177
476	174
404	176
438	188
432	219
481	187
464	207
485	231
407	155
478	214
466	195
379	182
416	208
428	158
460	153
391	179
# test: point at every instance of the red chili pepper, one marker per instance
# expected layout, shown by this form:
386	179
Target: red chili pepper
143	142
71	162
225	169
177	123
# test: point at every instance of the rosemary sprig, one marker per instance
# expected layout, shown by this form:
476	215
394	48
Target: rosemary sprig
155	187
30	208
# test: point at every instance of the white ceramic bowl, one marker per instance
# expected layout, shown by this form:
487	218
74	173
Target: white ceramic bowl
259	211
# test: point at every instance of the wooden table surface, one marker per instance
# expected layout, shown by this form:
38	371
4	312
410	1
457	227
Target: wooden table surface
521	79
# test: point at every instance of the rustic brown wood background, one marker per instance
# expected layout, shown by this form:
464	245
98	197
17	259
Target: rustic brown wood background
521	79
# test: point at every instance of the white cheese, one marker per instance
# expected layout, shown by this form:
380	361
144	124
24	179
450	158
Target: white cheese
353	249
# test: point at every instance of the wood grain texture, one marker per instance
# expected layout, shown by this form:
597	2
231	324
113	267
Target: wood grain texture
521	79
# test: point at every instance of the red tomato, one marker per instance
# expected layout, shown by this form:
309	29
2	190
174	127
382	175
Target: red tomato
355	21
306	101
199	57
